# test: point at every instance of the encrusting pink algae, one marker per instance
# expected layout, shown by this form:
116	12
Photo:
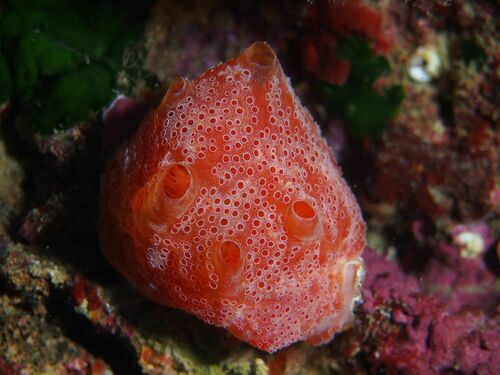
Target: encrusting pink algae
227	203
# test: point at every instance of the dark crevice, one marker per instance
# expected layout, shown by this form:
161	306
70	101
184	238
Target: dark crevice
116	351
444	100
4	286
492	259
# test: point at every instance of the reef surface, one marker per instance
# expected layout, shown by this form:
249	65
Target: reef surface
405	91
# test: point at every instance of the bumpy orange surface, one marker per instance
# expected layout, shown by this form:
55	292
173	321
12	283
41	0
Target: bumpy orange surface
228	204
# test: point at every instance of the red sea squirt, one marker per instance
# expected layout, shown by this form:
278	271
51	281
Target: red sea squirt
228	204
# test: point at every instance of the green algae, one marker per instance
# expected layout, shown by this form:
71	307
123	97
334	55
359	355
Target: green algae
59	59
471	52
366	110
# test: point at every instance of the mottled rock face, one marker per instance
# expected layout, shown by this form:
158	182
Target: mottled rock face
227	203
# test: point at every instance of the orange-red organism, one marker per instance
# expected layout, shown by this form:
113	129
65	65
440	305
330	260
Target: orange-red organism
228	204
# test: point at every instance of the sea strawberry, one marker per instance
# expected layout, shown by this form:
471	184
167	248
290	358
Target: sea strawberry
228	204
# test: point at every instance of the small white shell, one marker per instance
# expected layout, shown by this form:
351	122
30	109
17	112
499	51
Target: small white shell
471	244
424	64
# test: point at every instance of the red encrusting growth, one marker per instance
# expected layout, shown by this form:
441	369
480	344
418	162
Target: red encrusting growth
227	203
329	20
